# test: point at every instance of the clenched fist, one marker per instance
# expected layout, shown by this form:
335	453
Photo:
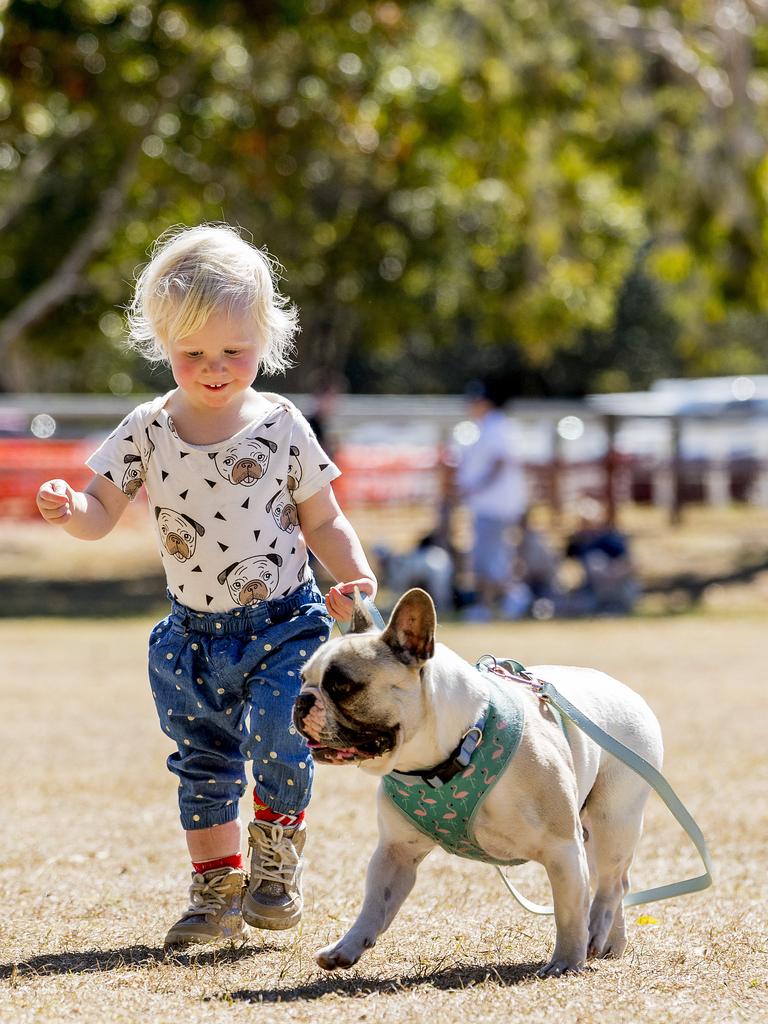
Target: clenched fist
56	501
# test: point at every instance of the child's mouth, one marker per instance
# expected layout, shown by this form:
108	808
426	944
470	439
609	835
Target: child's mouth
214	387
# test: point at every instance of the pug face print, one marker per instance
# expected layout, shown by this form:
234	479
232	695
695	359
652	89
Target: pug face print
252	580
246	461
283	510
133	477
294	469
178	533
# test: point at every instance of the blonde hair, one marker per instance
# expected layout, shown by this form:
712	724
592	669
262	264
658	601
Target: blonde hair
195	272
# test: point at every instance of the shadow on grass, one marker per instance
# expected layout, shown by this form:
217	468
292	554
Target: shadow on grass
24	598
450	979
95	961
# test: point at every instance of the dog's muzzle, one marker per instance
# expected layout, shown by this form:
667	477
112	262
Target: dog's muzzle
246	471
177	547
339	741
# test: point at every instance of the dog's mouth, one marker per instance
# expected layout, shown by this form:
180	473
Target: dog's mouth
365	748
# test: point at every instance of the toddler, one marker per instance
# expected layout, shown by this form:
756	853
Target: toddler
239	489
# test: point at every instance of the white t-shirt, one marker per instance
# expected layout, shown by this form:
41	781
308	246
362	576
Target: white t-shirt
224	513
504	494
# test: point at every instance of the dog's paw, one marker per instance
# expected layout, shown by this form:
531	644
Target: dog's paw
331	958
608	950
559	966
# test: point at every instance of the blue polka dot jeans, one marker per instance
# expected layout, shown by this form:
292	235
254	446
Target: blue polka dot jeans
224	686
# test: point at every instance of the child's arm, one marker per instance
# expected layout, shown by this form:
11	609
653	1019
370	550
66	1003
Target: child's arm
88	514
332	538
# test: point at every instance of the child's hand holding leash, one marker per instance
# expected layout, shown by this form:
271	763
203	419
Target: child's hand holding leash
339	605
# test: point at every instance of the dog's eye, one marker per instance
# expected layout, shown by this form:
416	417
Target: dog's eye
339	686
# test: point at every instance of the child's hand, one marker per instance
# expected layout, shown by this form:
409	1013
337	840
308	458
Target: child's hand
341	606
56	501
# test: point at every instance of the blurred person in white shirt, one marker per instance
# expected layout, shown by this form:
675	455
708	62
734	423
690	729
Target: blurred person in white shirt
490	481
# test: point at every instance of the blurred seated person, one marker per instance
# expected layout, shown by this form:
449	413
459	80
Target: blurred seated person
538	563
428	565
610	584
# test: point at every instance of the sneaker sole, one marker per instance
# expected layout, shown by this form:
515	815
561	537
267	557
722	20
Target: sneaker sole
253	914
183	943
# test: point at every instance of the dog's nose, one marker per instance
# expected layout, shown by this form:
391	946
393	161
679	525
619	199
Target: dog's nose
304	704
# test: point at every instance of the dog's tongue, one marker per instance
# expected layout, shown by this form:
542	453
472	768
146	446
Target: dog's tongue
343	753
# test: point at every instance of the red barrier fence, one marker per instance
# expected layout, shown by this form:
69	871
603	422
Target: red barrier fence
388	475
371	474
385	475
25	463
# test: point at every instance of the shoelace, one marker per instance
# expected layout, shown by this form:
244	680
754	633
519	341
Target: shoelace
279	859
207	896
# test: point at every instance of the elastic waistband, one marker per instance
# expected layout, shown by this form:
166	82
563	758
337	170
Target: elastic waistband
242	620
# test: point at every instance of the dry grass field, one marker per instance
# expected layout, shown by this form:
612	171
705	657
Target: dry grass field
94	866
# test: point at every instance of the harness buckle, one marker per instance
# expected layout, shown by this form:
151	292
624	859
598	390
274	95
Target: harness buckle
469	743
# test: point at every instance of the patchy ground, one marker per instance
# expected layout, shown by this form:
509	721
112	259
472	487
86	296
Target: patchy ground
94	866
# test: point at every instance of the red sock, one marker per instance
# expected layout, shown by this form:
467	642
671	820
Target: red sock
263	813
234	861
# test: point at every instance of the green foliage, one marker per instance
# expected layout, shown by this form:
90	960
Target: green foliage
572	194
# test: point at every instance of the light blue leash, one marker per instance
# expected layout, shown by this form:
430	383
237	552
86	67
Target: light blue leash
372	610
547	693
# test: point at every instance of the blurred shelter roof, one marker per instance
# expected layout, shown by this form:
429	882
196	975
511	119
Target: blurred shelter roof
698	397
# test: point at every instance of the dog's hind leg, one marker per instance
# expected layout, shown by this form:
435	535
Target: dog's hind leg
611	843
566	866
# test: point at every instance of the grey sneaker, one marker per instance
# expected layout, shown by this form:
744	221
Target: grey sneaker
273	898
214	912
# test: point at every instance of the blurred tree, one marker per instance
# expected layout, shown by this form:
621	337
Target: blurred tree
573	193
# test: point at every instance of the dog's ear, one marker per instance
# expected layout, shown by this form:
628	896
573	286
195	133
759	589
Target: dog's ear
362	621
410	632
266	442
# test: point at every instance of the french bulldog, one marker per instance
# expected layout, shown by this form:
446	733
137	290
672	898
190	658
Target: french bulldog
396	700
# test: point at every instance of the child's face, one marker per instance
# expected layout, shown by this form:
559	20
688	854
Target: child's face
216	365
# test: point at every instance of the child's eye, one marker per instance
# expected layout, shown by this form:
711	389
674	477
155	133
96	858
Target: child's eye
232	352
193	355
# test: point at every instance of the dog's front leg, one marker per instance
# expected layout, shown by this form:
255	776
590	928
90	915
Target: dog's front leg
568	873
391	875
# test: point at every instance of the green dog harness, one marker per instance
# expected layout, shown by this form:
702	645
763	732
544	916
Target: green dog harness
446	811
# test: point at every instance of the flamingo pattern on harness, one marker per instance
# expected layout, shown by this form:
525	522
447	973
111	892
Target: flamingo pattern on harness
447	813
